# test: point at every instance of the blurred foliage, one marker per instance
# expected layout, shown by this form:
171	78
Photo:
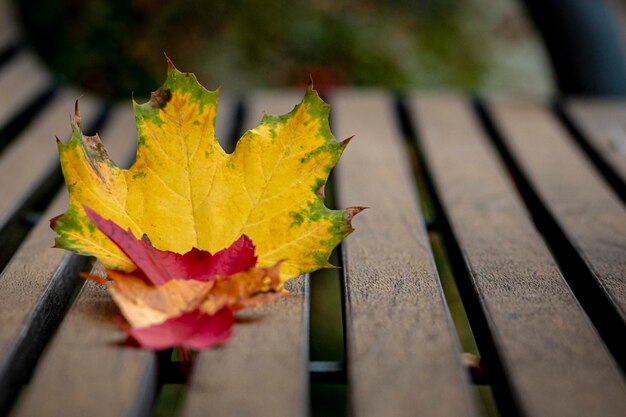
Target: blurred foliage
115	47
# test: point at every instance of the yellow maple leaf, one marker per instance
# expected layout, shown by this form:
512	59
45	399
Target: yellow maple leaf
185	191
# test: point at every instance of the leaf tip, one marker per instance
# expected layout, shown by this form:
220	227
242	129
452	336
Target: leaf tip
321	191
345	142
93	277
170	64
91	213
353	211
247	241
75	119
53	223
146	239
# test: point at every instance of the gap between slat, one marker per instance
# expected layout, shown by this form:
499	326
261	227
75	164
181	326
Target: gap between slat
17	221
533	319
9	36
605	319
22	280
25	85
574	128
460	298
403	357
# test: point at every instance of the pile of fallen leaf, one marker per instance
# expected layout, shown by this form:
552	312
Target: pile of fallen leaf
190	234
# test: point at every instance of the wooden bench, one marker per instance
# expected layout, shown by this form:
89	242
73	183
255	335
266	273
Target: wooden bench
522	200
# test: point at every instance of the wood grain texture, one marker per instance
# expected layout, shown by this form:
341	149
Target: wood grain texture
34	290
586	210
603	124
86	372
122	381
36	286
99	377
262	370
21	81
403	357
555	362
32	156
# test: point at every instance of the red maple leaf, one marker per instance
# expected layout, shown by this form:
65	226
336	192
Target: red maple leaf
161	266
191	330
184	300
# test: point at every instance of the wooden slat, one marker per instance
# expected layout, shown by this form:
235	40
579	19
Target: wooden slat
33	155
262	371
120	135
86	372
586	210
35	286
21	81
603	124
8	29
402	356
121	381
34	289
554	361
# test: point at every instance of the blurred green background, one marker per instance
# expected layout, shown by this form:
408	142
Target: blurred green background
116	48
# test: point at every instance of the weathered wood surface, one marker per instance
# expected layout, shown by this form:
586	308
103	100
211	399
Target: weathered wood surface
22	80
122	381
554	361
402	355
86	372
584	207
34	289
263	370
32	156
36	285
603	124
